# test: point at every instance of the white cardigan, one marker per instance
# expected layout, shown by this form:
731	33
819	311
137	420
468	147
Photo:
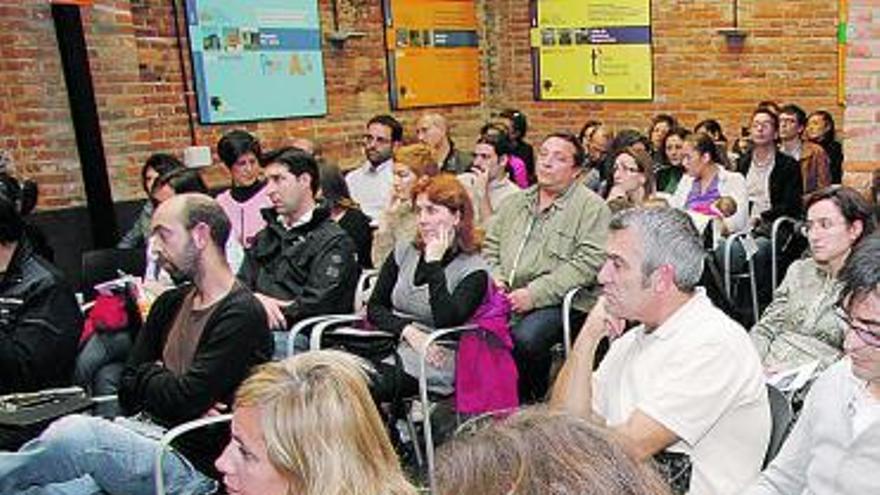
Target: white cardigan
731	184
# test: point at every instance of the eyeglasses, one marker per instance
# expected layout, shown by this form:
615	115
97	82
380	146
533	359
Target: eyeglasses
867	335
819	223
369	138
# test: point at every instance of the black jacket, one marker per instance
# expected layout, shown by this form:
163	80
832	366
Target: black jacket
235	339
314	265
40	324
786	186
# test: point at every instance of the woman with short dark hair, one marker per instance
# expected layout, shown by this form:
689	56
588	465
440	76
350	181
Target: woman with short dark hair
799	325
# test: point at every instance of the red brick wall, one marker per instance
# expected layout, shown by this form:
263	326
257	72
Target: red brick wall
790	55
862	125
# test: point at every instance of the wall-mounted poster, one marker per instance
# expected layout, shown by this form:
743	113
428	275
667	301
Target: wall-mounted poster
433	52
592	49
256	60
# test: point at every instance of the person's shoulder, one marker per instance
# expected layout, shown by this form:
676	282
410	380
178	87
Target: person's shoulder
785	161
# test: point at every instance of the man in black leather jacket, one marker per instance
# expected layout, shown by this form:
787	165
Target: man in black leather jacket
302	264
40	321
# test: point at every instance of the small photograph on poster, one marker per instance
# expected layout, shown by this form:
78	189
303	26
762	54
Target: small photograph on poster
565	36
250	38
402	38
231	39
548	37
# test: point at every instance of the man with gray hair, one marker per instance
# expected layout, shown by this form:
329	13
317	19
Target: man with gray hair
684	386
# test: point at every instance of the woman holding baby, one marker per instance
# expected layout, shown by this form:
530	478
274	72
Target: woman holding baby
709	189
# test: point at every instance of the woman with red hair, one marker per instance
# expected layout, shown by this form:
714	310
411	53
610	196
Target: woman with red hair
436	280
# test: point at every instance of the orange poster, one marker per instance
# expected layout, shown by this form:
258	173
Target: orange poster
433	52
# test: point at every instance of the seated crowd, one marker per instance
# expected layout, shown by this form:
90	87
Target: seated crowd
663	390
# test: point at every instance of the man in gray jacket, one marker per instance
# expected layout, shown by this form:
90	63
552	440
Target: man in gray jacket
541	243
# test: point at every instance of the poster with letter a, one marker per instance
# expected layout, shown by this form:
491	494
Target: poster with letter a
433	52
256	59
592	49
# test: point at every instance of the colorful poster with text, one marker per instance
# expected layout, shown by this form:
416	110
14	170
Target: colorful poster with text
592	49
256	60
433	52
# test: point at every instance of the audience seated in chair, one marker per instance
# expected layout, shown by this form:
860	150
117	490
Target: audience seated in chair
307	425
247	196
435	280
835	444
706	182
157	165
370	184
487	182
347	213
398	220
686	384
536	451
800	326
302	264
196	347
40	320
542	243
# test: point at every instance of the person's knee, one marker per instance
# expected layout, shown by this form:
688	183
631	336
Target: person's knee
535	336
75	430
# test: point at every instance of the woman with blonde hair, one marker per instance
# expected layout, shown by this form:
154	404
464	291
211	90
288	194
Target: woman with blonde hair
538	451
398	221
308	426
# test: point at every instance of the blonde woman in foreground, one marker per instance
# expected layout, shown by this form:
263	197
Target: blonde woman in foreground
308	426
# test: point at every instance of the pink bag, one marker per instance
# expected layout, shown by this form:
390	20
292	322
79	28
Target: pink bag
485	372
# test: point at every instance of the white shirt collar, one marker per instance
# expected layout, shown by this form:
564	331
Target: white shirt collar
302	220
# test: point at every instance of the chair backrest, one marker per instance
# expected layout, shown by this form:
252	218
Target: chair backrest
102	265
366	283
782	418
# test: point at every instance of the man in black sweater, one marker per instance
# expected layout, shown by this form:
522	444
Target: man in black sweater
198	343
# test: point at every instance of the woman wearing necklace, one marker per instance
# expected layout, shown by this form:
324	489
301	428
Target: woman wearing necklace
706	182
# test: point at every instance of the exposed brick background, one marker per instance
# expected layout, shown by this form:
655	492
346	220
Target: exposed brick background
789	55
862	118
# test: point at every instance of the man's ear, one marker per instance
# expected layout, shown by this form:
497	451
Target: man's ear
201	235
664	278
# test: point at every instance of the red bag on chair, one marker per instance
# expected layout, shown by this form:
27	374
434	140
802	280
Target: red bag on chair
107	315
485	372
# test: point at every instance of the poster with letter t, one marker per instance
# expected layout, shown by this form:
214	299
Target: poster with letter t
592	49
256	59
433	52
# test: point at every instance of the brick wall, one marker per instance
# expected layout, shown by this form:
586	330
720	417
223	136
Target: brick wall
790	55
862	119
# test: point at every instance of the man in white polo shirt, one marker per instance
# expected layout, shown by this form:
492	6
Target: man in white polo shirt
685	386
370	184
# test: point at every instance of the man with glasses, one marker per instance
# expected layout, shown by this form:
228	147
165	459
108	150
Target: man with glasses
370	184
835	444
541	243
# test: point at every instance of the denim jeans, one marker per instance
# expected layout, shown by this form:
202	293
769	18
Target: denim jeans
84	455
534	335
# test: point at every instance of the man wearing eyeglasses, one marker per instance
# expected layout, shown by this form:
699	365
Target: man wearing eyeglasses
835	444
370	184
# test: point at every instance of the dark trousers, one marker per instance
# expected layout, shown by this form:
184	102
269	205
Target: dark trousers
534	336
